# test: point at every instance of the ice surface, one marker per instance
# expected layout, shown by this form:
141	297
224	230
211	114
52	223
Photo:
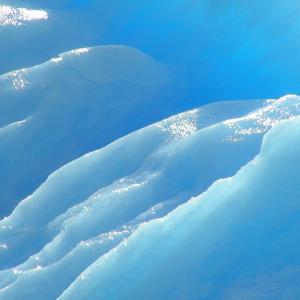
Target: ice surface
116	182
217	47
192	206
238	240
57	111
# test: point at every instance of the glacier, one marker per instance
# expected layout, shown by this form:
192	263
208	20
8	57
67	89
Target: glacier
216	46
129	166
55	127
183	199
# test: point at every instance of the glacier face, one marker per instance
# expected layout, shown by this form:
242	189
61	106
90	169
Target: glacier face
116	182
200	205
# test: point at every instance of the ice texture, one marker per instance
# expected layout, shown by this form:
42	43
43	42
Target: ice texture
117	182
198	206
223	50
73	104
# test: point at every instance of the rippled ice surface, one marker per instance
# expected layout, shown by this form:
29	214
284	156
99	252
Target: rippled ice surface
116	182
199	205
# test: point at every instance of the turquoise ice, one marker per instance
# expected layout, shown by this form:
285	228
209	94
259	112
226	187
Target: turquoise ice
121	178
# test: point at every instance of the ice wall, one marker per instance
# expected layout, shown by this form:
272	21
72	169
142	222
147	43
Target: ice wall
237	240
116	182
182	208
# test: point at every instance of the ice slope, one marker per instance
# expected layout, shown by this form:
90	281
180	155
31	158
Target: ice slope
109	193
238	240
153	216
75	103
216	47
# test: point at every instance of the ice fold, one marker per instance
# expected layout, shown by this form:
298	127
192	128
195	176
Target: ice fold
236	240
172	171
73	104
